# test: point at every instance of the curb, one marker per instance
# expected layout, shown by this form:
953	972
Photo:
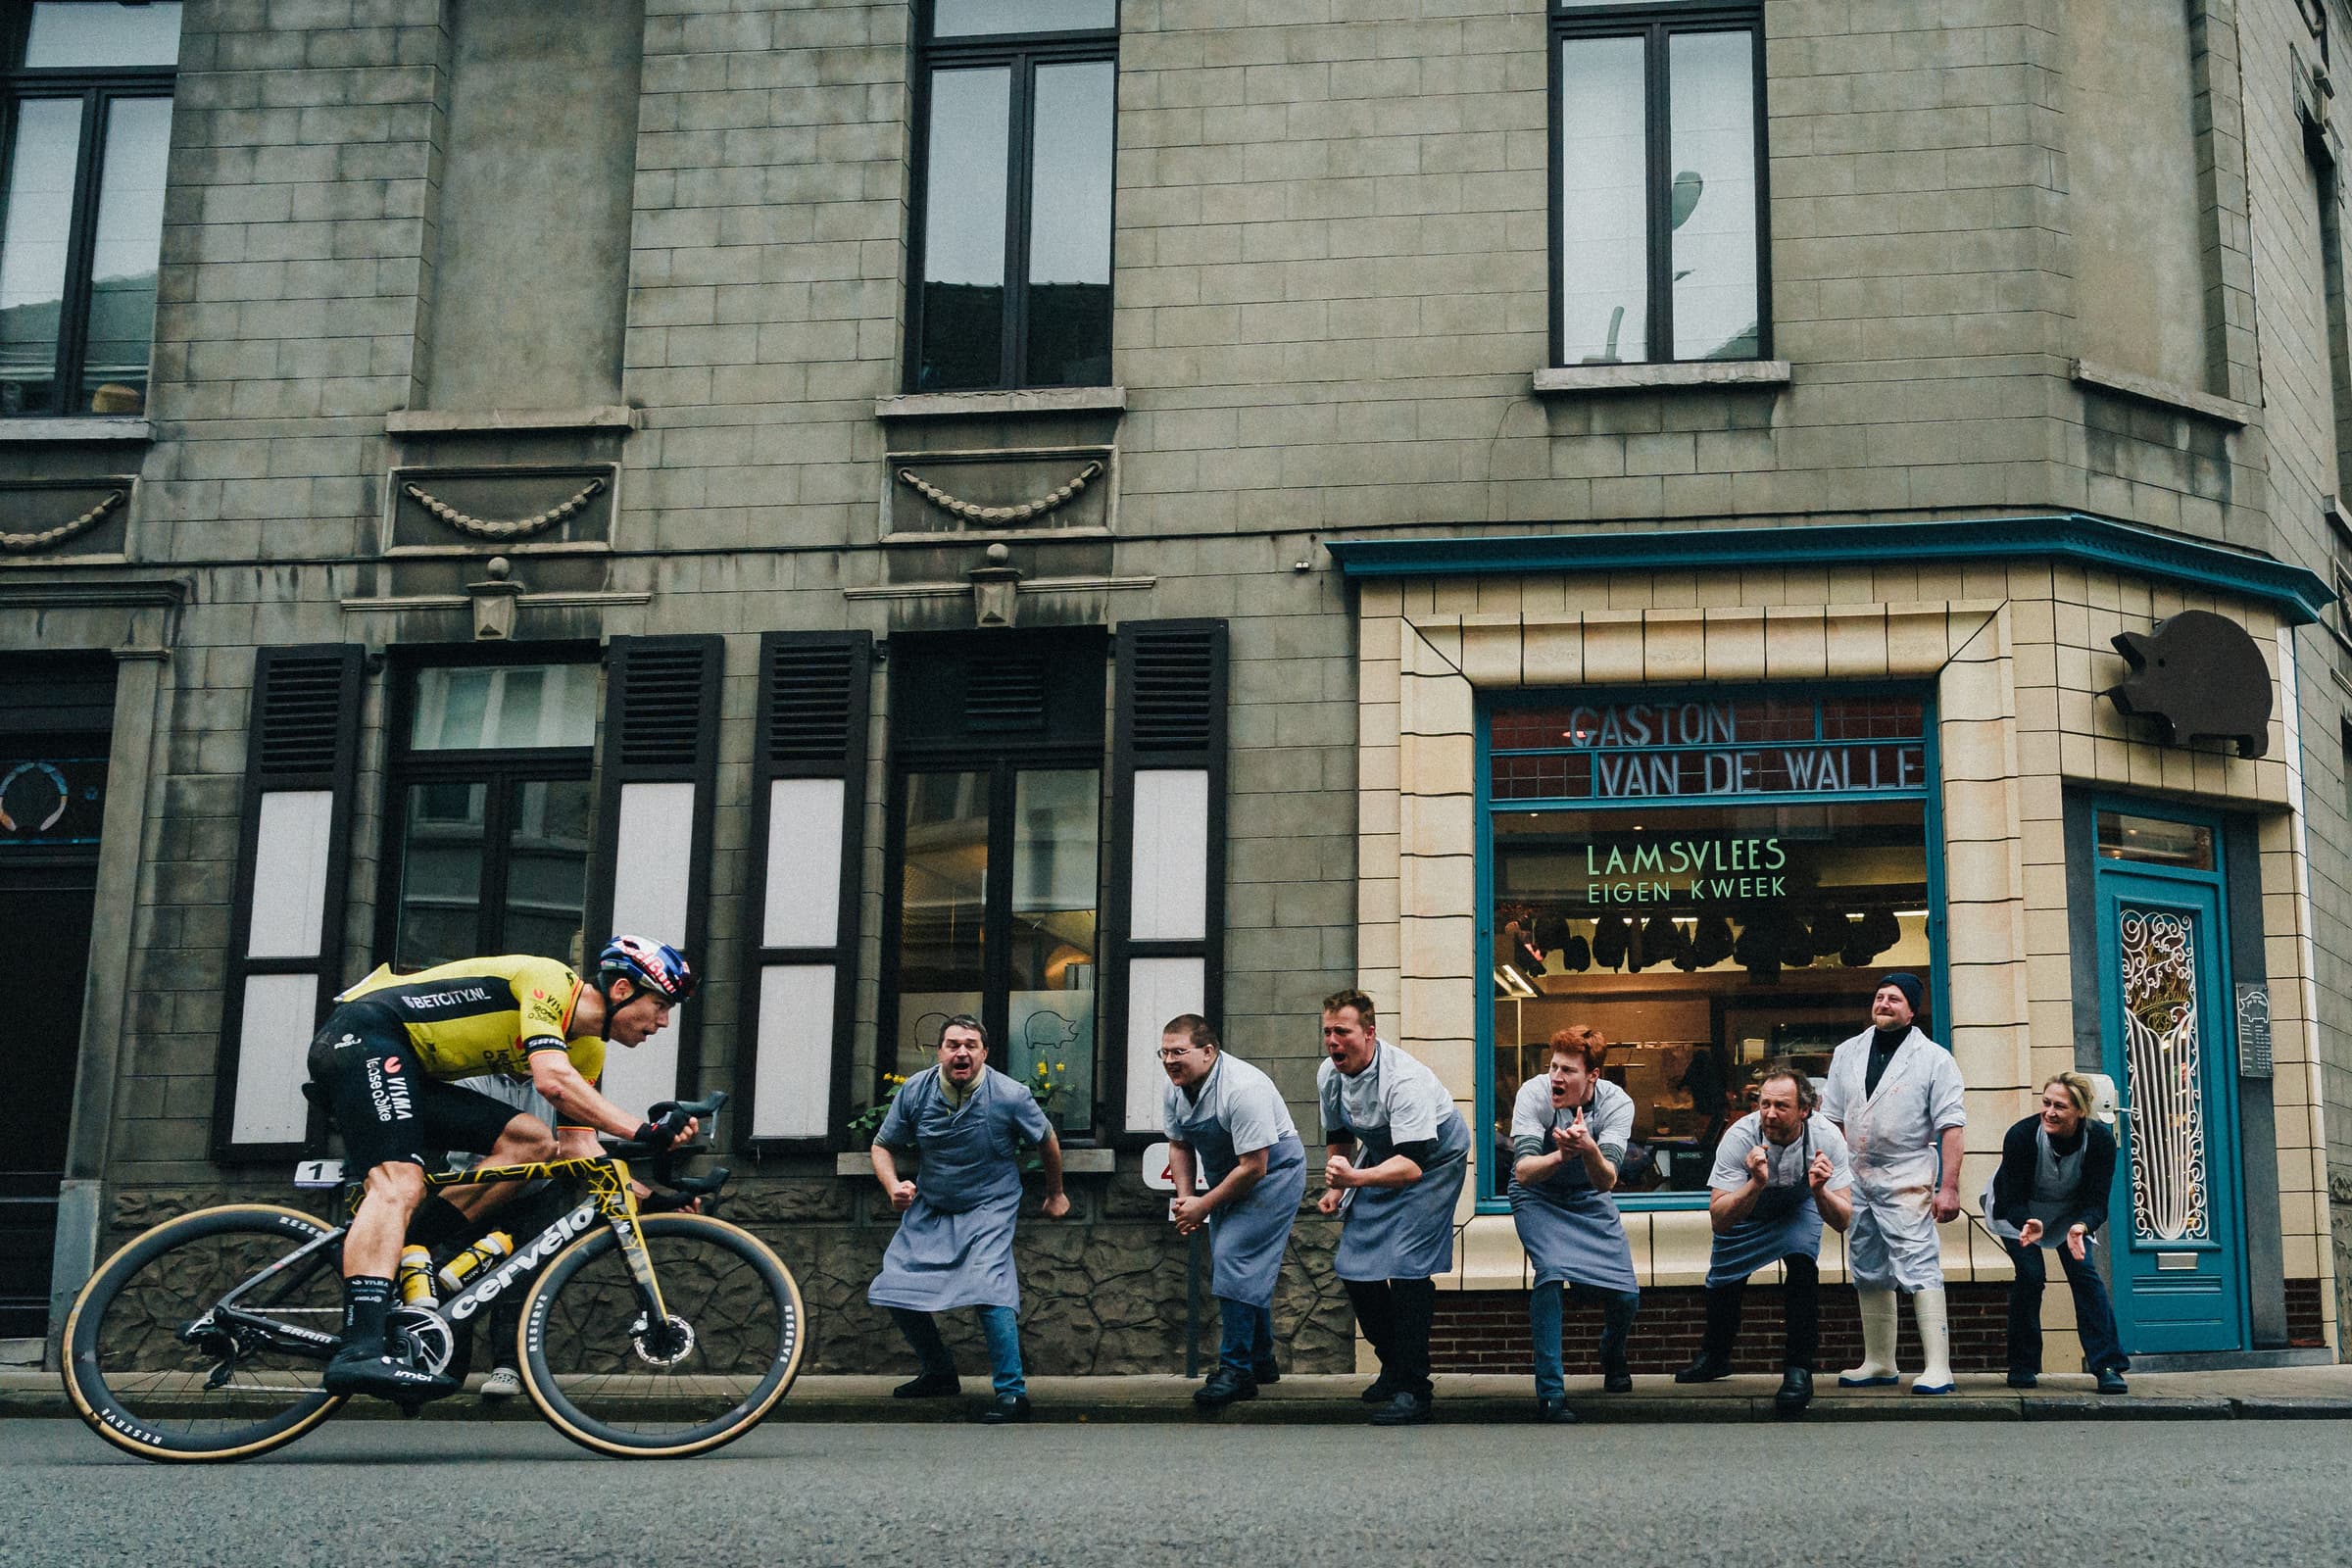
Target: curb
822	1407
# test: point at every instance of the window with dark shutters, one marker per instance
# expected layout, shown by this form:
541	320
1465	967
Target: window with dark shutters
807	836
650	875
285	955
1167	890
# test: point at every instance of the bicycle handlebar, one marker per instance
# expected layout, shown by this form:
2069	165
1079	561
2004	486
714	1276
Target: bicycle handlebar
670	1118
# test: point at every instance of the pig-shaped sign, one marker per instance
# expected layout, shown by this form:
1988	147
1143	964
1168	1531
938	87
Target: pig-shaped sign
2197	674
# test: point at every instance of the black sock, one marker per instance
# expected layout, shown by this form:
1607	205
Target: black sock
439	1223
365	1298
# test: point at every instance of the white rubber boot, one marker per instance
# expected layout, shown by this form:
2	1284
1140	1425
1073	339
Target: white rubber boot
1877	1342
1934	1337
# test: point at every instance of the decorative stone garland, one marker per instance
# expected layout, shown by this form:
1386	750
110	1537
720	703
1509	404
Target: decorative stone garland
485	528
64	530
1027	512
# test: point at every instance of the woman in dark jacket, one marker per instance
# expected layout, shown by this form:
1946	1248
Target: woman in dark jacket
2051	1191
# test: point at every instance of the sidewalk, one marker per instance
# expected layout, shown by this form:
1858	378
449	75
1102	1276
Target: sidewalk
2284	1394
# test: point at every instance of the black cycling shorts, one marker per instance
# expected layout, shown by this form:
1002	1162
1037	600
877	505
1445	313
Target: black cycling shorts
388	1106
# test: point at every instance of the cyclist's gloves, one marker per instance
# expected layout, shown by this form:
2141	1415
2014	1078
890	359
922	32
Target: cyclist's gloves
654	1134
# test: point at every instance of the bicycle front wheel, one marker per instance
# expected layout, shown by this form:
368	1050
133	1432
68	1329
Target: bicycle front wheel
158	1371
609	1380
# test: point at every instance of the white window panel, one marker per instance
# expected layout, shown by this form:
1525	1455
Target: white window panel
273	1040
289	873
653	859
794	1052
803	864
1169	863
1158	989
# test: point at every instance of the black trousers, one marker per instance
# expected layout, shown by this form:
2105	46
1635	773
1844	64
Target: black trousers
1395	1315
1800	1309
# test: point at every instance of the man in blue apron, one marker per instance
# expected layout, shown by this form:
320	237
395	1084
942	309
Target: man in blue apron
1229	1116
1896	1097
1568	1133
1398	1151
1779	1171
955	1242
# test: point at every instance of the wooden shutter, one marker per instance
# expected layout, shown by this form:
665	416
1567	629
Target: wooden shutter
660	765
285	949
1166	914
809	783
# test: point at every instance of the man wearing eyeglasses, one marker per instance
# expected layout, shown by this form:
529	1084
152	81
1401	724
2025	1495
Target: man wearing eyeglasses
1228	1116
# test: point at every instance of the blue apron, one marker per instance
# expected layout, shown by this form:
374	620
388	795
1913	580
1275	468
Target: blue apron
1404	1233
1571	1232
953	1247
1248	1236
1785	1223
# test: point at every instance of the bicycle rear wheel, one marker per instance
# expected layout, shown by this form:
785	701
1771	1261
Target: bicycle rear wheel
149	1379
610	1381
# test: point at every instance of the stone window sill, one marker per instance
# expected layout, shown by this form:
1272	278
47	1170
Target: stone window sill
511	421
1074	1162
1560	378
997	405
83	430
2164	394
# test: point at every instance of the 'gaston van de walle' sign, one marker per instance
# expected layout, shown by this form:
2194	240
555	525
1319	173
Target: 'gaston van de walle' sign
1649	751
1698	871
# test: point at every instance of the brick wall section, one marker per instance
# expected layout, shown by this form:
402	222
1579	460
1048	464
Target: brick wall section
1485	1330
767	255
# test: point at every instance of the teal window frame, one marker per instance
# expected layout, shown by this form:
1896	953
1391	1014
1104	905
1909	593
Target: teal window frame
1930	793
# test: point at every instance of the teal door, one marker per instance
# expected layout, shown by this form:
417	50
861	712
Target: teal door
2176	1221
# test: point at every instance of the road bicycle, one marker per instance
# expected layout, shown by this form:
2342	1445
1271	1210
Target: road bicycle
643	1335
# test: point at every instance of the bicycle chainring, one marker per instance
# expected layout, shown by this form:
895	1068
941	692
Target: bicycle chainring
430	1343
664	1347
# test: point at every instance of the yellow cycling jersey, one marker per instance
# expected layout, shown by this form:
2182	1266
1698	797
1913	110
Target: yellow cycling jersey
483	1015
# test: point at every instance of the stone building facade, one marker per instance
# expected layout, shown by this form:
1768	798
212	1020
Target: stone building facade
578	480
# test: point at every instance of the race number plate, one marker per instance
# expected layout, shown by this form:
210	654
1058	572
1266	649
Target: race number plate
318	1173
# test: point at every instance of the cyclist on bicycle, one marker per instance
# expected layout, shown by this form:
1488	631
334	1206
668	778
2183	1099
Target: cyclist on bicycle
385	1058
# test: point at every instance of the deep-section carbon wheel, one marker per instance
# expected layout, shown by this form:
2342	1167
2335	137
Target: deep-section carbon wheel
157	1372
609	1379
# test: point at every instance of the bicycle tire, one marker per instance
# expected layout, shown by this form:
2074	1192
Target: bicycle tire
115	1326
578	1340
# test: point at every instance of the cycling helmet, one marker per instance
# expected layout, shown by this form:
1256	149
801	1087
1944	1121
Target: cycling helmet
653	967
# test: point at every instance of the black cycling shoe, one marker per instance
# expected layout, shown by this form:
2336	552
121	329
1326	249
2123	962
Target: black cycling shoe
1795	1392
1007	1410
1406	1410
1266	1373
1551	1411
1224	1387
364	1368
929	1386
1380	1392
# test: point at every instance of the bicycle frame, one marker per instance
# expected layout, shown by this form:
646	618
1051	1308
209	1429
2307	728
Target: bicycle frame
608	1197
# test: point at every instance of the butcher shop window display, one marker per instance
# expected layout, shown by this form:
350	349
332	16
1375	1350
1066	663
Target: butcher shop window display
1709	880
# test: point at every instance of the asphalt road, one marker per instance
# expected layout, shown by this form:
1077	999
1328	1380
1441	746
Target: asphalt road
2246	1493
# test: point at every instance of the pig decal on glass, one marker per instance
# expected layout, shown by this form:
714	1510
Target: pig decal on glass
2197	674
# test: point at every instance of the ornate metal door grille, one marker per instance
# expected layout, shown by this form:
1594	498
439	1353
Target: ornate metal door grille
2162	1052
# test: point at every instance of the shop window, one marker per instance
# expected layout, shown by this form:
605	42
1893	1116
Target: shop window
1658	210
492	813
1012	241
1712	884
996	856
88	126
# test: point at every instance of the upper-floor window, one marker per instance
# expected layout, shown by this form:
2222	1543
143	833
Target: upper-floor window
88	126
491	814
1013	237
1659	233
